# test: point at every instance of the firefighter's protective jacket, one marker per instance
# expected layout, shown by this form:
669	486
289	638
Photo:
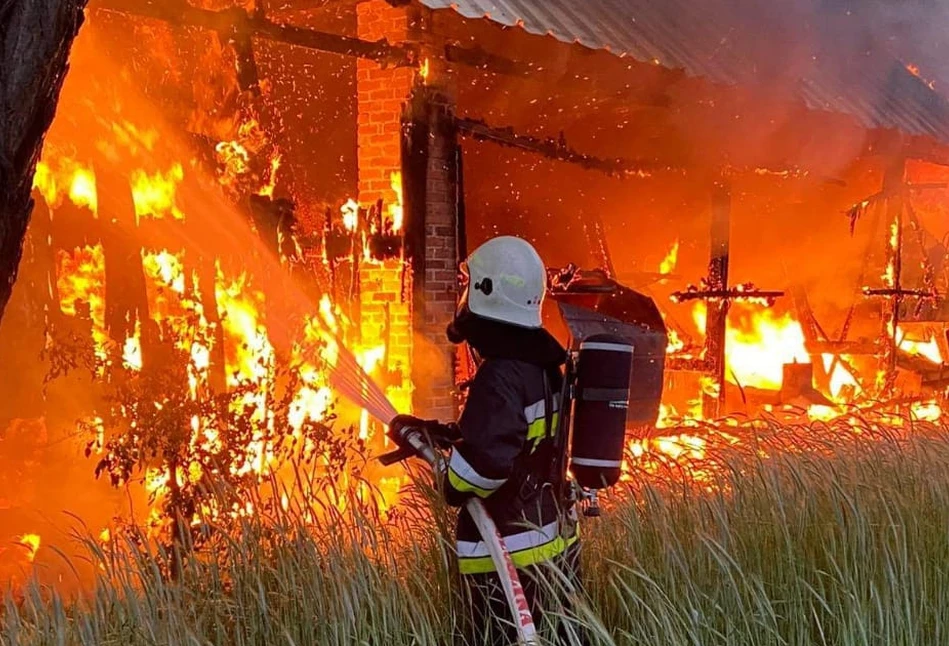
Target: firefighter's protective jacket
504	457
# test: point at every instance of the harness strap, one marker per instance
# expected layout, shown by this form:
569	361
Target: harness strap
548	408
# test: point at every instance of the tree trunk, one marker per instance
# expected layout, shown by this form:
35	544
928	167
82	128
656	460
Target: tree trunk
35	39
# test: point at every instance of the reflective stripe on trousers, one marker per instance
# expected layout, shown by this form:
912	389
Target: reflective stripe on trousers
526	549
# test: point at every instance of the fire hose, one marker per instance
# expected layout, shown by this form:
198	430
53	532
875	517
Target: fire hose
507	573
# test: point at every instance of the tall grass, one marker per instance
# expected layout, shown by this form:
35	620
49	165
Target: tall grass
842	542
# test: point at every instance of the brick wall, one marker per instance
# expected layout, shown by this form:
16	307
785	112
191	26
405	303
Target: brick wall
382	95
440	291
381	298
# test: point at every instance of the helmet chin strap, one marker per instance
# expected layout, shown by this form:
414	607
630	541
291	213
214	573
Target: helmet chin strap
456	329
476	357
457	333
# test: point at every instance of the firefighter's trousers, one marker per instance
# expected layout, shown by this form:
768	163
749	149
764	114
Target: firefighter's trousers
550	589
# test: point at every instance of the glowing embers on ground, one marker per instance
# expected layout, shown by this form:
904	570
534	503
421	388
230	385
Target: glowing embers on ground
702	453
682	455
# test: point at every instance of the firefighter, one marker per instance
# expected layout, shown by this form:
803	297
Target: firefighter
504	450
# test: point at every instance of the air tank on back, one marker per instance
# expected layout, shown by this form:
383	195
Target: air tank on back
603	373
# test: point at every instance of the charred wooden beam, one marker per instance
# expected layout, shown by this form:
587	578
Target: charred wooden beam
683	364
416	129
893	186
717	318
866	347
900	293
483	59
236	22
556	149
461	221
855	212
126	300
729	294
805	314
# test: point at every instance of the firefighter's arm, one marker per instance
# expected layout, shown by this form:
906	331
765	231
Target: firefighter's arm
493	431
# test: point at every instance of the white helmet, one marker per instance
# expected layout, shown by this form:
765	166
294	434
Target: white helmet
507	282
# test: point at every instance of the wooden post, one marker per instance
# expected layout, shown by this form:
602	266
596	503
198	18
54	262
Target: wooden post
35	40
893	182
461	219
126	300
432	199
717	314
415	156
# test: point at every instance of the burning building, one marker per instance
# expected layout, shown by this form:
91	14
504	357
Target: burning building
256	187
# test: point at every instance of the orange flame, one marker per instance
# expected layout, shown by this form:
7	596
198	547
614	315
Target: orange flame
82	190
132	351
928	411
396	213
840	378
154	195
268	189
45	182
350	211
928	349
32	543
66	179
757	350
889	274
80	279
668	264
675	344
235	159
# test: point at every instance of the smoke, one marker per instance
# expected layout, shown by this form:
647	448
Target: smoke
914	31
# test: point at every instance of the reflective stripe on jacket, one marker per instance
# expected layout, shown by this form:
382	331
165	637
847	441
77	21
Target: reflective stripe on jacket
505	457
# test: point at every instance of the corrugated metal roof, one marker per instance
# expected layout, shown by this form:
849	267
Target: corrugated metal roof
739	42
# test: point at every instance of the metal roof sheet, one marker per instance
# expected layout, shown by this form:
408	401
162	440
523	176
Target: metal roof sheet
738	42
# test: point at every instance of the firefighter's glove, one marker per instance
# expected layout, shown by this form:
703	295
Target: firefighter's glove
433	431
